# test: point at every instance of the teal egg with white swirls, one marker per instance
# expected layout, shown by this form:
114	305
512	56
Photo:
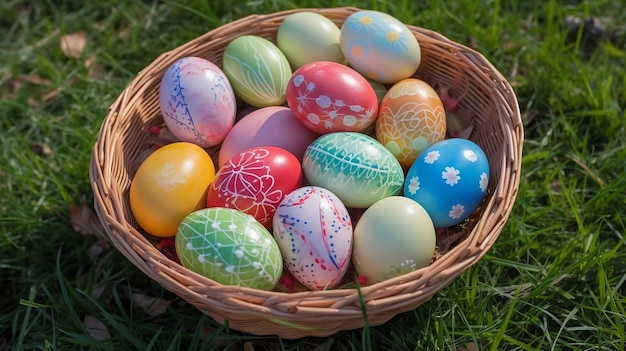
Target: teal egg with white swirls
379	46
258	71
354	166
229	247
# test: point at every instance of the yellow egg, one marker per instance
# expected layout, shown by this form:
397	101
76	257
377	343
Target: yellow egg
411	117
170	184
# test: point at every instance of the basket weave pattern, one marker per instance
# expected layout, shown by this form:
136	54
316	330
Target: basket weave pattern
497	128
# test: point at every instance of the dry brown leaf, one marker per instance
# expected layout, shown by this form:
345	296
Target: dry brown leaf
93	68
34	79
73	44
95	328
48	95
97	248
41	149
97	291
85	221
469	347
153	306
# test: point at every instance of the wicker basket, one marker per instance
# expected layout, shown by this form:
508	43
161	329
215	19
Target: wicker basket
497	128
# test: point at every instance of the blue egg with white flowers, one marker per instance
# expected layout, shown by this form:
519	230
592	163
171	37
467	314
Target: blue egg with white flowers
449	179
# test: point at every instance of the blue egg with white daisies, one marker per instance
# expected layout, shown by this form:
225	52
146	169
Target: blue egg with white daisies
449	179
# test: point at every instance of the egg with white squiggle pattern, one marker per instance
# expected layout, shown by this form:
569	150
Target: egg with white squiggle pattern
449	179
314	232
229	247
354	166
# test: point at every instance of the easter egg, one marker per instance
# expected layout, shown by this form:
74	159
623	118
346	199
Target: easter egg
197	101
314	233
393	237
267	126
255	181
411	118
354	166
257	70
306	37
330	97
229	247
379	46
169	184
449	179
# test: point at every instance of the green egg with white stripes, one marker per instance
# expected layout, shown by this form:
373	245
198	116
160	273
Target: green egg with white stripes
229	247
257	70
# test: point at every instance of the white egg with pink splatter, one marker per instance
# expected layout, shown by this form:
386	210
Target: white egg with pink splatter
197	101
314	233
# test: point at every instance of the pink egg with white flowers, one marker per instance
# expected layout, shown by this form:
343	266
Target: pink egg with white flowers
197	101
313	230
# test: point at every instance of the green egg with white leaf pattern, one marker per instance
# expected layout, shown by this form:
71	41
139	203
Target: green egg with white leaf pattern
258	70
229	247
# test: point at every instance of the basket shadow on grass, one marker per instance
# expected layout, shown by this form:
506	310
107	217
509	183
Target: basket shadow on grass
498	129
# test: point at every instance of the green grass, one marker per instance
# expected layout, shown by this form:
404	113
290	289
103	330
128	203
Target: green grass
554	280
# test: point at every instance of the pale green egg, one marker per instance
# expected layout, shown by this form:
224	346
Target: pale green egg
258	71
393	237
229	247
306	37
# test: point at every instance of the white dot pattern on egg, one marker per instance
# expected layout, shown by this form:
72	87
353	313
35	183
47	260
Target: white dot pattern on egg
229	247
449	179
314	232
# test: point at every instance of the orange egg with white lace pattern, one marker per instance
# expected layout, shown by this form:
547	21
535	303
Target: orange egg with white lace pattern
411	118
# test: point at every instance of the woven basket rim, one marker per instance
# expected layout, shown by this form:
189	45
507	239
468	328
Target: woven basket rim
289	314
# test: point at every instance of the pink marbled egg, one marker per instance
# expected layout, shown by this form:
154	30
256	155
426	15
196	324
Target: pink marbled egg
197	101
314	233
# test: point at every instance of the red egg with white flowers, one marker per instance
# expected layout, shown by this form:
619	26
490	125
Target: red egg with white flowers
330	97
255	181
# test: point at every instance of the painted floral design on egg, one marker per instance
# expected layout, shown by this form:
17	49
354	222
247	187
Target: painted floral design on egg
330	97
453	177
255	182
314	232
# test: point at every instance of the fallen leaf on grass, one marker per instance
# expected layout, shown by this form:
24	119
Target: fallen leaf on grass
95	328
468	347
34	79
86	222
97	291
48	95
153	306
73	44
41	149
